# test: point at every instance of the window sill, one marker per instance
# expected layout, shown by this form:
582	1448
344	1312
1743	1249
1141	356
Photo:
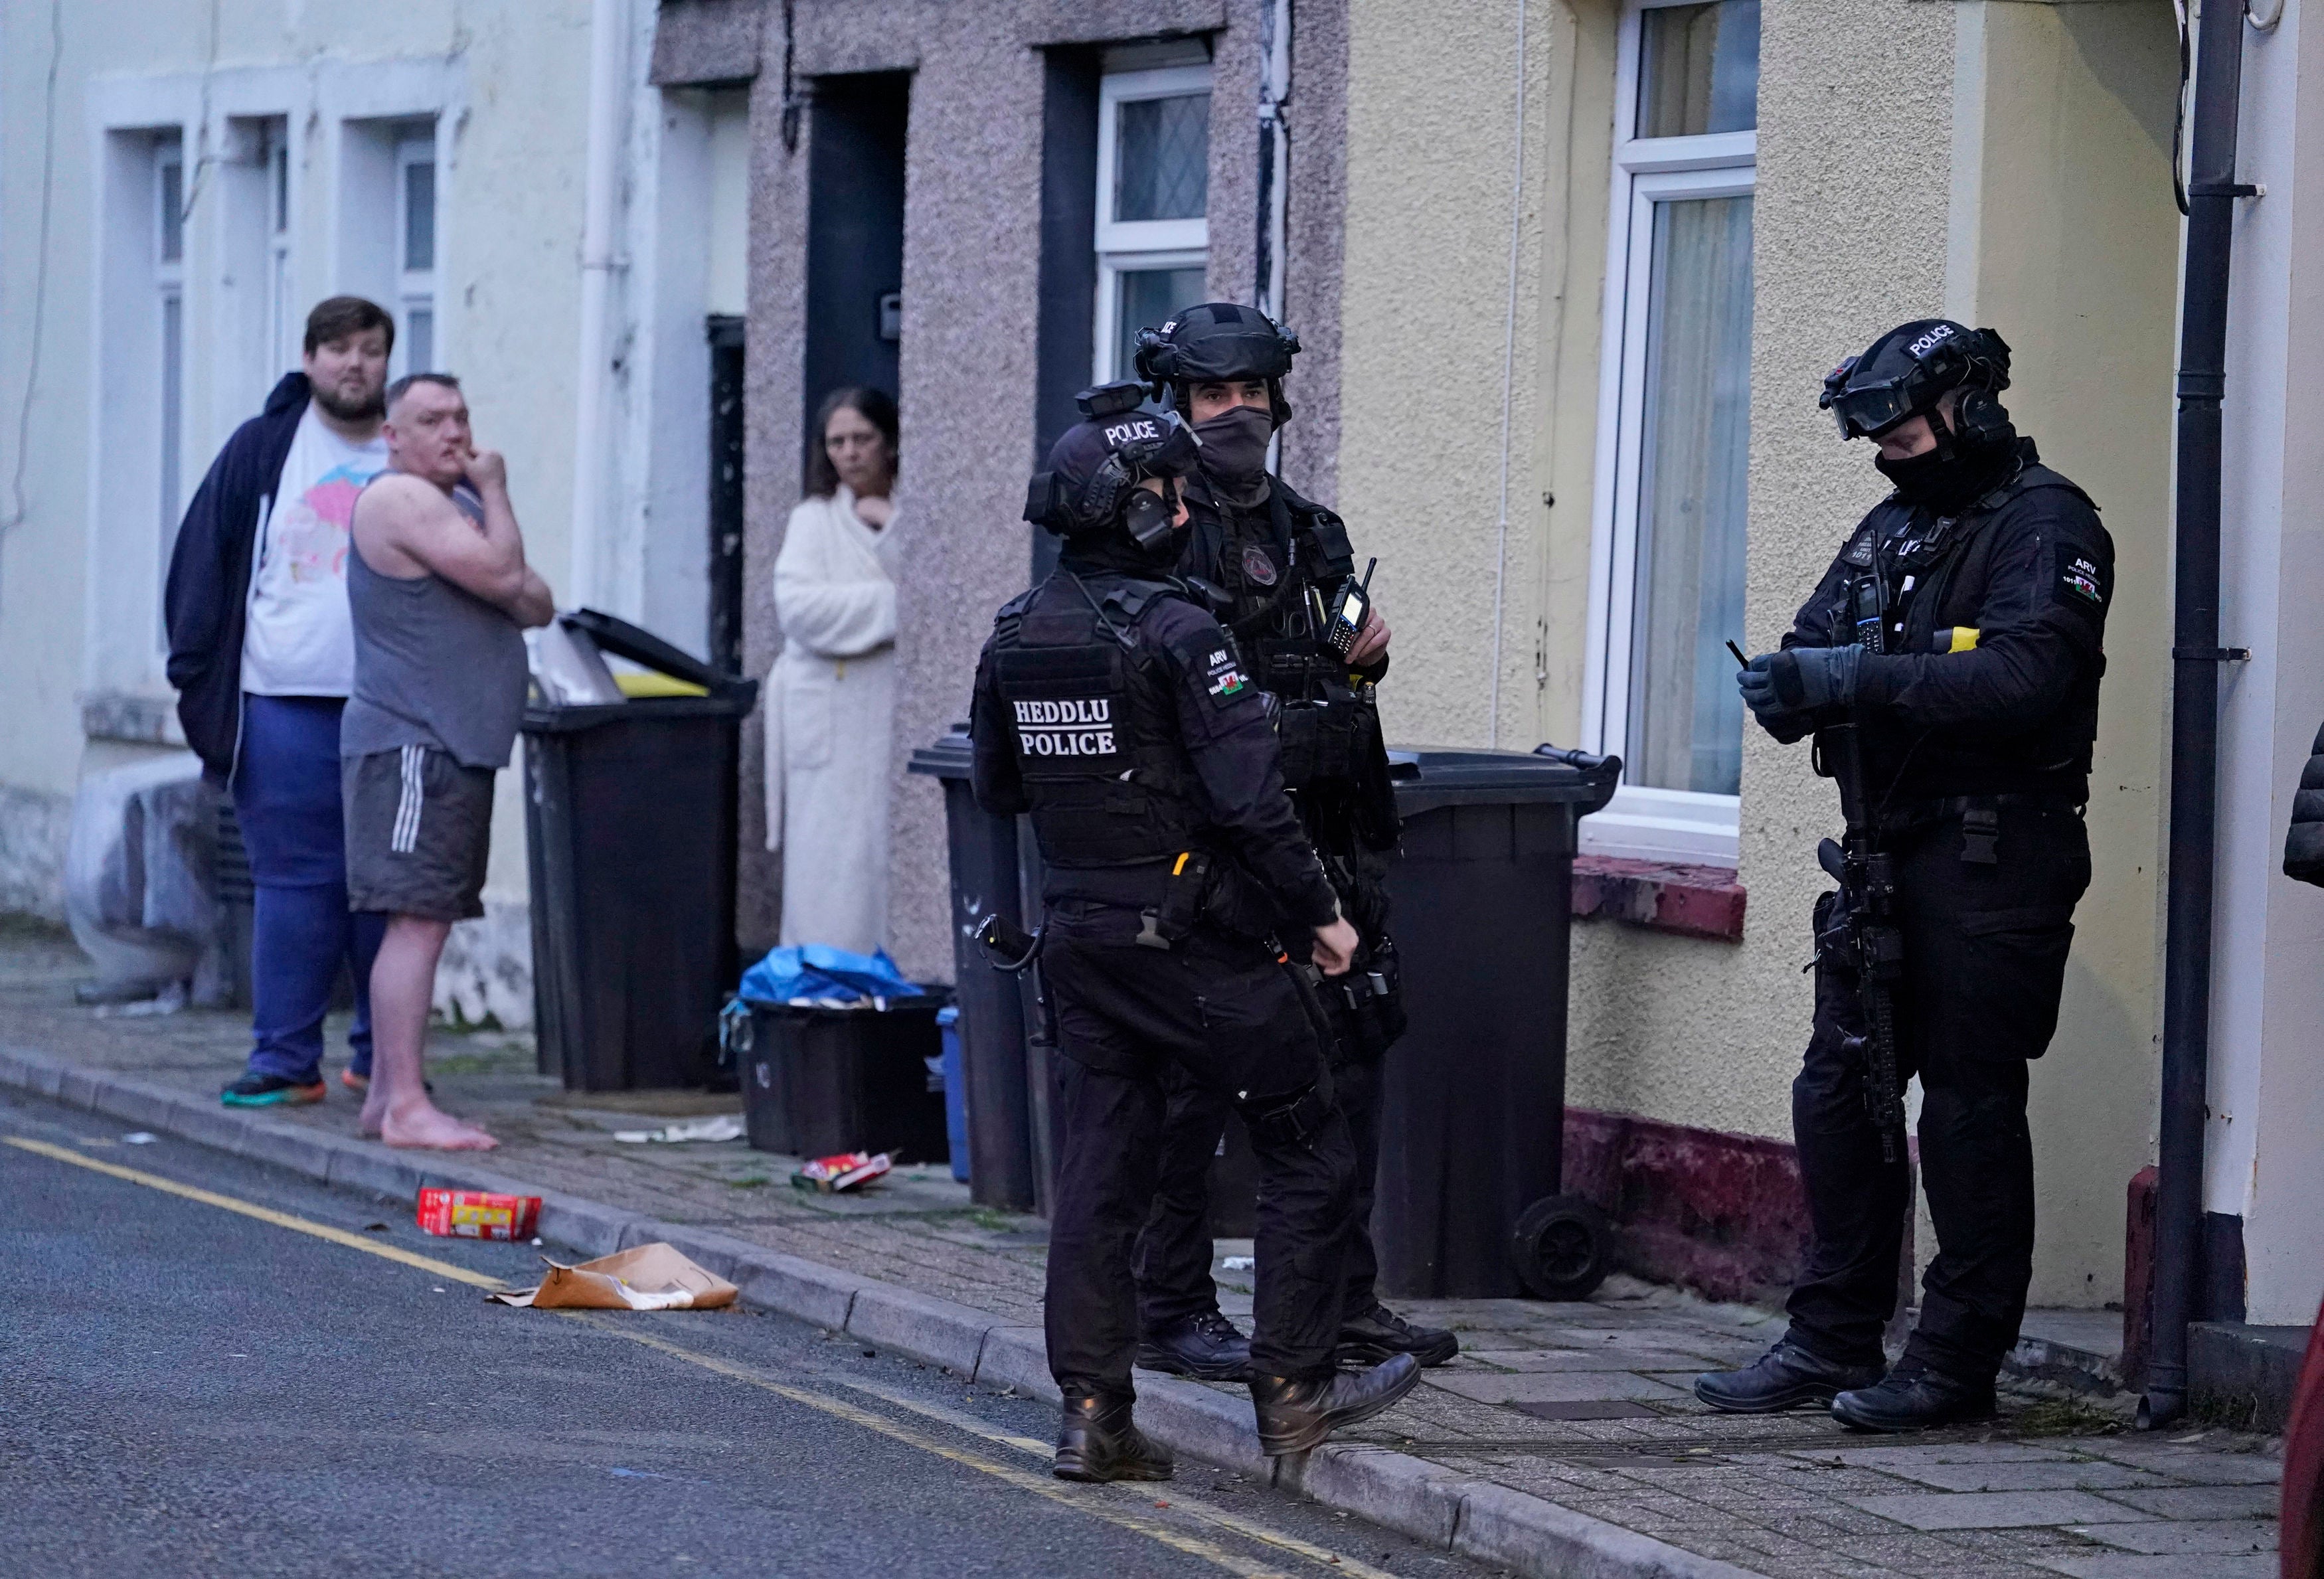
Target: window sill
124	715
1693	901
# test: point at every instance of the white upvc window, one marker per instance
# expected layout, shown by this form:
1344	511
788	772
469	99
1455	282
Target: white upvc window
285	332
1153	196
169	292
415	252
1674	433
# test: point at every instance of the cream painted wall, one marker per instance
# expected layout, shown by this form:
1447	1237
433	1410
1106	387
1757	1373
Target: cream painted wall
2032	196
1427	335
2065	238
1698	1033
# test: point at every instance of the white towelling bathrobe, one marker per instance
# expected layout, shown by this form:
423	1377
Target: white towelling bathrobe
831	722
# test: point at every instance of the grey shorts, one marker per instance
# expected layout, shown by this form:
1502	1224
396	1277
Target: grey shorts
420	827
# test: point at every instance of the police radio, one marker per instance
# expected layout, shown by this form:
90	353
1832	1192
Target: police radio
1351	605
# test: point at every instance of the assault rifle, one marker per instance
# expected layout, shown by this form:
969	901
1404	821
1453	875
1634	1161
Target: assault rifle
1866	938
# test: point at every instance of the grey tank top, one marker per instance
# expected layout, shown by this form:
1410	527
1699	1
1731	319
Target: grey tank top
434	665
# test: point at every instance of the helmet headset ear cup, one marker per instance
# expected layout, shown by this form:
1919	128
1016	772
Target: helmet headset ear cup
1981	419
1147	519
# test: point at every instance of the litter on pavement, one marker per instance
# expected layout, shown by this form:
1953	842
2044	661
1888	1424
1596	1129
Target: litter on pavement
724	1127
648	1277
478	1213
844	1171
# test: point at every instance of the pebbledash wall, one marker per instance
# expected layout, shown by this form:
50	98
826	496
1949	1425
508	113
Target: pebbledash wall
2005	163
93	99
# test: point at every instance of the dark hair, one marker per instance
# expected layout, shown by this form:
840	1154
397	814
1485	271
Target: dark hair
336	317
875	406
401	386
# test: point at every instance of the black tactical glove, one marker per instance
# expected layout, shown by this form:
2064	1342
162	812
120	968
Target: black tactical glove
1780	688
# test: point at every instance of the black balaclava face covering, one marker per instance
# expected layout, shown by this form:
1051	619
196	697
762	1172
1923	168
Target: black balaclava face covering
1234	452
1948	485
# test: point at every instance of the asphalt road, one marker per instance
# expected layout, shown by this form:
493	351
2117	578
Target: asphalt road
186	1389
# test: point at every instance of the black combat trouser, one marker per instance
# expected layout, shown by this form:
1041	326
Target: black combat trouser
1225	1013
1173	1259
1984	960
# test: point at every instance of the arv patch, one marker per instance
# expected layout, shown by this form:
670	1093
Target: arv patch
1224	679
2081	577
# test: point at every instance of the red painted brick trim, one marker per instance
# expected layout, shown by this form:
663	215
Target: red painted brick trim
1723	1215
1694	901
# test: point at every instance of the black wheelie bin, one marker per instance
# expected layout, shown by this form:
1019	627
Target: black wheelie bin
1006	1093
1473	1096
630	829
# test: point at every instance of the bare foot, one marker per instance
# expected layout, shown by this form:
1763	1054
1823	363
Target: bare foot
374	1113
432	1128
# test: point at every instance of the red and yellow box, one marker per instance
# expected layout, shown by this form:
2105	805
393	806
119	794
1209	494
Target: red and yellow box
478	1215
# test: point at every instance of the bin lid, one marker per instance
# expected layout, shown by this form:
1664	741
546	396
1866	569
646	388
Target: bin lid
951	756
726	696
1428	778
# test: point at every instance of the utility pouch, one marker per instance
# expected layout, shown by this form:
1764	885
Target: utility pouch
1369	1004
1182	901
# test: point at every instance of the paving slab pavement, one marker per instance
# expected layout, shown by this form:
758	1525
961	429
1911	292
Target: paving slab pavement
1562	1441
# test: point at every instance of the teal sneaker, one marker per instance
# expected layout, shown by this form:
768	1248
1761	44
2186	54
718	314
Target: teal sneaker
271	1090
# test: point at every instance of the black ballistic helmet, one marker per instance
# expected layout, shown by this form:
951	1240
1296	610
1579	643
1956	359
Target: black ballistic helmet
1218	342
1096	465
1904	372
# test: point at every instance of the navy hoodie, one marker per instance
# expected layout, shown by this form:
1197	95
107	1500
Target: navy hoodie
207	599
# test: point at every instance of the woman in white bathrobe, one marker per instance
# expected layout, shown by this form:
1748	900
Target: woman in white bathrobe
832	696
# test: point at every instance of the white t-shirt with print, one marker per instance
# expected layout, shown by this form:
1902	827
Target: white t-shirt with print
299	641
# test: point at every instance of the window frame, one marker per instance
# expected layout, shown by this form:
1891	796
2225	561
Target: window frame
1643	821
415	288
1132	246
170	348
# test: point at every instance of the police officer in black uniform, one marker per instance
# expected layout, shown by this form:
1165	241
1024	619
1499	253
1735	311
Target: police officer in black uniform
1275	564
1960	634
1112	706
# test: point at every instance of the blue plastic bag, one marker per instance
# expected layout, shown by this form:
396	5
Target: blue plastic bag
818	973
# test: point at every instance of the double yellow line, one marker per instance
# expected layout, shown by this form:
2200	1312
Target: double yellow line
1106	1504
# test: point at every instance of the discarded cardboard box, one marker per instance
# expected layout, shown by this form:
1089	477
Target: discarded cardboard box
650	1277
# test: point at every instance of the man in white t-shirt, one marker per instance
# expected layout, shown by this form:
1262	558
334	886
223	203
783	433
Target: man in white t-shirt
263	654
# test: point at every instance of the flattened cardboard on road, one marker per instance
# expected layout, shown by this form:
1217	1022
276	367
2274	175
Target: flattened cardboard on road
649	1277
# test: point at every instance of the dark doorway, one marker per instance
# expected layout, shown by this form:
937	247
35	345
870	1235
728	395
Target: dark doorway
855	232
727	493
1068	267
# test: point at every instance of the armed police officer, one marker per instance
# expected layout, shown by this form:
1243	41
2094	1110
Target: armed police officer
1112	706
1280	569
1948	666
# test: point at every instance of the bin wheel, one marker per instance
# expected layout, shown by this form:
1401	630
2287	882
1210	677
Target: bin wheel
1562	1247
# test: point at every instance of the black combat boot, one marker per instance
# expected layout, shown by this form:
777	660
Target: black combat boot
1296	1414
1097	1442
1379	1334
1208	1347
1783	1378
1915	1397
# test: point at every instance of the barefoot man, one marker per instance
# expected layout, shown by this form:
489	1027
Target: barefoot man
440	596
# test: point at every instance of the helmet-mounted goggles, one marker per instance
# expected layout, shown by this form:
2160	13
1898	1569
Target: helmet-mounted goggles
1942	357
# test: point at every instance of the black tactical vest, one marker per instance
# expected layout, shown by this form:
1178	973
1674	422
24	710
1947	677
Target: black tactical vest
1094	718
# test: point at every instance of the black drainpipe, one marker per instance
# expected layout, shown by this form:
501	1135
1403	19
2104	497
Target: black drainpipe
2195	653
